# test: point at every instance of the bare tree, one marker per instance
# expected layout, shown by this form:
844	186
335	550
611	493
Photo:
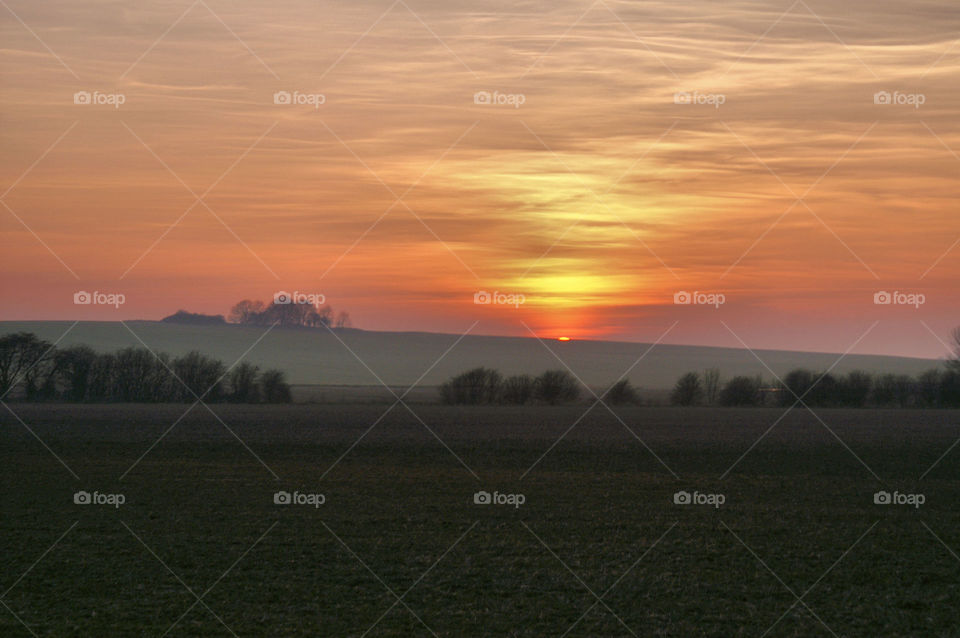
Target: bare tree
711	385
245	311
343	320
953	362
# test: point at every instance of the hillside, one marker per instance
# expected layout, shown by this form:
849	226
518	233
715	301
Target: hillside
314	356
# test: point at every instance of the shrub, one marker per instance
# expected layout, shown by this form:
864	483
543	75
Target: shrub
517	389
556	386
688	390
480	385
622	393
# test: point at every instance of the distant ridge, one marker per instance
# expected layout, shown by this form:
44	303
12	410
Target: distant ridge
315	356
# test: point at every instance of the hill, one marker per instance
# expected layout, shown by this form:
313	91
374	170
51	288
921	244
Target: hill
315	356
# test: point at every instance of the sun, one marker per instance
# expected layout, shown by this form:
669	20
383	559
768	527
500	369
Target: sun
563	338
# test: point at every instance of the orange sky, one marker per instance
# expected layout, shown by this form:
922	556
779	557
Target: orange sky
597	198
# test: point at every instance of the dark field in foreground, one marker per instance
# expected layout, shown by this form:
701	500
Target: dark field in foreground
598	549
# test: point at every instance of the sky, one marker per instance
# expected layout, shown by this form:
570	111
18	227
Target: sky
796	164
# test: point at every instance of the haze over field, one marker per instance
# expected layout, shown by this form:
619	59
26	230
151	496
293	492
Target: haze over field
316	356
597	158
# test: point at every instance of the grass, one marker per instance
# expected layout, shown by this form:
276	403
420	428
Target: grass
399	517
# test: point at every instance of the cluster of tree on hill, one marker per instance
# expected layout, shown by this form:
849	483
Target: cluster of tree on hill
43	372
934	388
284	311
287	313
553	387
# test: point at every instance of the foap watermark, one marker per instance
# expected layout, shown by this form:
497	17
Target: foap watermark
698	498
297	297
716	100
84	497
97	98
697	298
299	498
886	498
97	298
897	298
497	298
486	98
486	498
886	98
296	98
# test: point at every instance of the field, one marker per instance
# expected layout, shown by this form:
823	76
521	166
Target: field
399	548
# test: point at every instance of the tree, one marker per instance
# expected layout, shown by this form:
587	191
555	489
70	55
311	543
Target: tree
39	376
797	382
137	376
894	389
741	390
953	362
688	390
950	388
825	391
556	386
200	373
245	311
711	385
343	320
929	388
102	382
854	389
74	369
274	387
622	393
517	389
480	385
24	358
242	386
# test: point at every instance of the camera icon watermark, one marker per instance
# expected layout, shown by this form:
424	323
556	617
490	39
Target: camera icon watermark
697	298
486	498
298	498
97	298
297	98
897	298
684	497
886	498
886	98
716	100
282	297
96	98
496	98
83	497
484	298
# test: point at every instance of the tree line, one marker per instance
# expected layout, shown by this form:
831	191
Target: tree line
40	371
553	387
935	388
